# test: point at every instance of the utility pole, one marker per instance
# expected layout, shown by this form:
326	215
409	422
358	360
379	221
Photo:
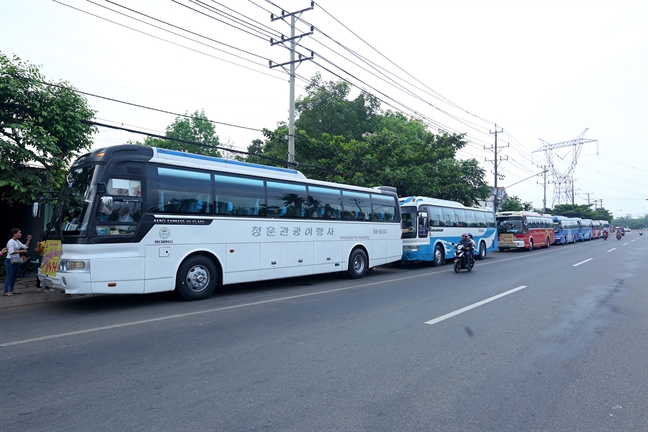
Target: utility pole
544	199
292	39
496	161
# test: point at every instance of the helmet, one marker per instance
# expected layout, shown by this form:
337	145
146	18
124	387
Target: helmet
470	234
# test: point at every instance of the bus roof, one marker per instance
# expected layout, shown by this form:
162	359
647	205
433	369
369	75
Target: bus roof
522	213
133	152
419	200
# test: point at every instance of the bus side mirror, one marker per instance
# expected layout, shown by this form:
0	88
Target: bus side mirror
35	209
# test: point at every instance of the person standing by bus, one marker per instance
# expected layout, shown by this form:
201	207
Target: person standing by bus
15	247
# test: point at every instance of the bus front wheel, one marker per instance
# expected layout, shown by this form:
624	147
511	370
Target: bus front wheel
439	256
196	278
358	264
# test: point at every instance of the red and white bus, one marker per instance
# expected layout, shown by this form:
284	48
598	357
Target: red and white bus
524	230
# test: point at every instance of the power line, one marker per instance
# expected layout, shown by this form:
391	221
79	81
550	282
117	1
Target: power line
170	42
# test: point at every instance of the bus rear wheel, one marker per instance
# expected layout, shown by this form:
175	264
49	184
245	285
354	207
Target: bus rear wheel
482	251
196	278
358	264
439	256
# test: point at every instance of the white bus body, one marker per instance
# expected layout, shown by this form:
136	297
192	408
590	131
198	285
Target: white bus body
141	220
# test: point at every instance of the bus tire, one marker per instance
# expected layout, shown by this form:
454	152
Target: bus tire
530	244
482	251
438	257
358	264
196	278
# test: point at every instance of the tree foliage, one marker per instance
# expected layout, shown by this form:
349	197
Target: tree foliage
43	127
351	141
514	203
582	211
194	128
632	223
326	110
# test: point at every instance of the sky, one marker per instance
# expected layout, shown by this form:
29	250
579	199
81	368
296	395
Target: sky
542	72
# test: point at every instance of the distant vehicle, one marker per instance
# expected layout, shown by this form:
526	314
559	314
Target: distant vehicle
566	230
605	228
524	230
627	230
586	229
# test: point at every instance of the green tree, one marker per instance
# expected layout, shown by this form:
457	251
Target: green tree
514	203
382	149
575	210
194	128
326	110
43	126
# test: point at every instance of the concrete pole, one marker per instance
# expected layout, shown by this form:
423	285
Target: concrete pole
291	109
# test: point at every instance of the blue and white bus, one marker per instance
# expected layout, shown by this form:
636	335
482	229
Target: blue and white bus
566	230
431	225
135	220
586	229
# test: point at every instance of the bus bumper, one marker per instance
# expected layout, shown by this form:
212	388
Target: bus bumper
516	244
63	282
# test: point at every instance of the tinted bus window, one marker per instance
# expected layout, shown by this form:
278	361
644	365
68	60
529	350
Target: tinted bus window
324	203
435	216
449	217
239	196
383	207
356	205
286	200
171	190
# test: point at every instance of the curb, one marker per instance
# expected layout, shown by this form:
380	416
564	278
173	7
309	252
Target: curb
26	286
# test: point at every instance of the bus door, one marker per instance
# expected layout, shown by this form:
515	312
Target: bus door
422	222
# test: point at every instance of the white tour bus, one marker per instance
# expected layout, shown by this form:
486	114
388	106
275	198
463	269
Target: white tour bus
432	226
135	219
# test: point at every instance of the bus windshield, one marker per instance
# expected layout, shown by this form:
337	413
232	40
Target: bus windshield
509	225
73	211
408	221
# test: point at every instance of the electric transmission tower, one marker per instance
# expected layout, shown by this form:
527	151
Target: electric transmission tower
564	181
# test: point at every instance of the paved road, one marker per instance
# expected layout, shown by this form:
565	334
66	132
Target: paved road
563	347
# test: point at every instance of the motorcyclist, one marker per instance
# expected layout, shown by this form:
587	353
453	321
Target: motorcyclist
468	245
474	246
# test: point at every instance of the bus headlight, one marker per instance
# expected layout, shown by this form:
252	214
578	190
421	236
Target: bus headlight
410	248
73	265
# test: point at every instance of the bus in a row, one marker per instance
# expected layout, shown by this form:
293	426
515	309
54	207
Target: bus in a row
135	219
524	230
432	226
572	230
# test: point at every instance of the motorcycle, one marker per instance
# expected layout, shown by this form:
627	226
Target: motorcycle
640	232
459	262
618	235
605	235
